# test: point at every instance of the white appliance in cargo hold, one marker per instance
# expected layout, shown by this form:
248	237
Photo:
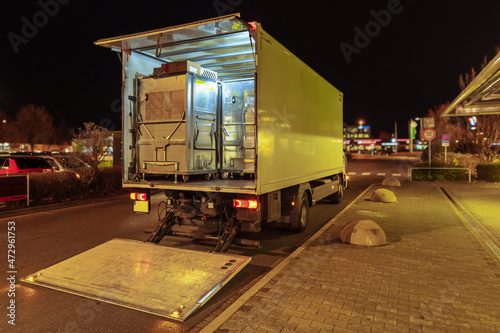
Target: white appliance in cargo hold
182	130
176	123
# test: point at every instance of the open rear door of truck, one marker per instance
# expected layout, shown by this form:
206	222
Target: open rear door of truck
160	280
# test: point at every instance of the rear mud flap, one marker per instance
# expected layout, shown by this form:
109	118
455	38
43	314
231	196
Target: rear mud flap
164	281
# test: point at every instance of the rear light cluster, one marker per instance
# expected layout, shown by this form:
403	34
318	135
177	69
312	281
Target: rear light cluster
139	196
250	204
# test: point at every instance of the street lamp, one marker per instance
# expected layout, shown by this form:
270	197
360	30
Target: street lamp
421	129
411	125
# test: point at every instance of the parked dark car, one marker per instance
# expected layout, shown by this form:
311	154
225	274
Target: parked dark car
70	163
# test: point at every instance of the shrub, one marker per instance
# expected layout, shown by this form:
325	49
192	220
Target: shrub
437	174
109	180
468	161
52	187
489	172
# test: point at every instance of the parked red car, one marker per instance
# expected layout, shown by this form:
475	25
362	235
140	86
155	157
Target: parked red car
13	187
16	164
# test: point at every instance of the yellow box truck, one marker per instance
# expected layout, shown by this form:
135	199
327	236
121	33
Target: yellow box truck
230	125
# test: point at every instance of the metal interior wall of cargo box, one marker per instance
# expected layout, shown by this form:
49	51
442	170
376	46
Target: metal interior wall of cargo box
227	51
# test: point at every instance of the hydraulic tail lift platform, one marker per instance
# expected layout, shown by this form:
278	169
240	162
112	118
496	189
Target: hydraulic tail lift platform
164	281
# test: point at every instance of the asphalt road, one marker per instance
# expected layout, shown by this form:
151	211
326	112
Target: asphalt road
46	238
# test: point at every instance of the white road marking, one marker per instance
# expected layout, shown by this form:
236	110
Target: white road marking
378	174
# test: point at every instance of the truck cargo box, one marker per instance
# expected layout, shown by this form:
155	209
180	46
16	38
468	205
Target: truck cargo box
256	121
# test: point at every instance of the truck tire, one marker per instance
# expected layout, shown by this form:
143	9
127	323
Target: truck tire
302	215
337	196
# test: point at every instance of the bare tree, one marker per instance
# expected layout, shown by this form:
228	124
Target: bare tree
480	139
33	125
94	138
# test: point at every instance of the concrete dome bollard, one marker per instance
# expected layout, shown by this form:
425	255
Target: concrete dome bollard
391	181
363	232
383	195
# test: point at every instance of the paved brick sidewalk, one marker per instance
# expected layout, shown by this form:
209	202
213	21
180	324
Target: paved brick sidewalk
483	201
433	276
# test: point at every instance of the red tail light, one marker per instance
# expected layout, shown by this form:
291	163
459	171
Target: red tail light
139	196
250	204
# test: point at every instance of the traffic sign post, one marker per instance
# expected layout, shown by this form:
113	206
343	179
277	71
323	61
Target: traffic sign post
445	141
429	134
429	122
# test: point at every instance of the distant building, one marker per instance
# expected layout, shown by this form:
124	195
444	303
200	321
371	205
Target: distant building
358	138
357	132
10	147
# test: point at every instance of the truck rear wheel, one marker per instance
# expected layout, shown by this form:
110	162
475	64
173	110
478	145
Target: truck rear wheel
302	215
337	196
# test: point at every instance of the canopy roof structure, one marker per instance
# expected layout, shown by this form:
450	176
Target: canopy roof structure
482	95
221	44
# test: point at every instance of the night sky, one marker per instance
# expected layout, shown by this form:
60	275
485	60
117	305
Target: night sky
410	64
